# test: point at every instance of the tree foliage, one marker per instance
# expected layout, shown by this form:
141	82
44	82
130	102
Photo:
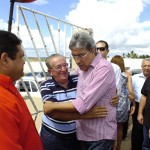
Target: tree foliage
132	54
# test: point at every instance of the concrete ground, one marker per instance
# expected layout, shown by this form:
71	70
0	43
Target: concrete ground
126	144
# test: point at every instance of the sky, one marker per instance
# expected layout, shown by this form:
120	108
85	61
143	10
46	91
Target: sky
124	24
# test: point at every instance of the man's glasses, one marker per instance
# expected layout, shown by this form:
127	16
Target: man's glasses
101	48
59	67
80	55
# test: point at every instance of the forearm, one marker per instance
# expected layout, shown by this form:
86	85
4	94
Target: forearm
67	116
95	112
64	116
58	106
131	97
142	104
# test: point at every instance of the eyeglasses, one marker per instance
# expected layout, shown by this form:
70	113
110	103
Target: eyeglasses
101	48
81	55
59	67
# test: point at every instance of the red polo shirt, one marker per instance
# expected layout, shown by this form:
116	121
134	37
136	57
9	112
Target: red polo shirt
17	128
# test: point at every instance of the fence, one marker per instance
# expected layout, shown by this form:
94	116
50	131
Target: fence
43	35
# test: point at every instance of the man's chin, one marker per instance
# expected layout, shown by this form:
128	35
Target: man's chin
83	68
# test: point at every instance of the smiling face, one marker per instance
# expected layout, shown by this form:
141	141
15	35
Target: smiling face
59	69
83	58
146	67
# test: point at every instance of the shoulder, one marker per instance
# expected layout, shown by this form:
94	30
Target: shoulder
148	79
73	78
116	67
47	82
135	76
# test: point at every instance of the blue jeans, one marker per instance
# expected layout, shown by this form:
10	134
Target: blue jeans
146	141
97	145
53	142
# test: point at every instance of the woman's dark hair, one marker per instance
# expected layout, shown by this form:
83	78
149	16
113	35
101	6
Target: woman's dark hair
8	44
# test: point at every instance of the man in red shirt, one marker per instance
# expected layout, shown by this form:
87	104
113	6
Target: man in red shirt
17	128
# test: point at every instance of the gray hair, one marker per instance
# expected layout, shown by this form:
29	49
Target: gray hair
82	40
146	59
49	59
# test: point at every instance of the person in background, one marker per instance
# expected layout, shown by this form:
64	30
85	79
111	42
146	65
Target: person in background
103	48
58	128
137	82
143	113
96	87
17	128
126	93
131	110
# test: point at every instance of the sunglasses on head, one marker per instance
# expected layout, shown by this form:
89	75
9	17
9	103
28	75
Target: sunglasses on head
101	48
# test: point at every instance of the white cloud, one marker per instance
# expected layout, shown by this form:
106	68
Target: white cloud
3	25
116	21
41	2
146	1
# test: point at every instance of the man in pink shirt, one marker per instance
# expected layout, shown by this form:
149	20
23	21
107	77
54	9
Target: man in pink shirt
96	86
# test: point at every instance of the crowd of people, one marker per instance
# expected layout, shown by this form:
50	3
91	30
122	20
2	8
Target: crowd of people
82	111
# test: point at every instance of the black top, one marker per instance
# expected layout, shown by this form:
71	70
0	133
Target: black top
146	92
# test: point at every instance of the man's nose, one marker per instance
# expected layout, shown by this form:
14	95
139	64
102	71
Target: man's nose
77	60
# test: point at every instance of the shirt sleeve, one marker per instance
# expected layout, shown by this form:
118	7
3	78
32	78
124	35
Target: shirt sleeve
117	71
47	92
145	86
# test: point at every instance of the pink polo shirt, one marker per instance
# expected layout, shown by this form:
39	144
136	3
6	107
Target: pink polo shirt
96	86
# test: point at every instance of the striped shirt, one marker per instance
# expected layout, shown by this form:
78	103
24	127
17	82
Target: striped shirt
51	90
96	86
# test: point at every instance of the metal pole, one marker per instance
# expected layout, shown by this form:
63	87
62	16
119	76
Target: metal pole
11	14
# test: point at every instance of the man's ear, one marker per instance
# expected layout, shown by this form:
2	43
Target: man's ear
4	59
50	72
107	51
93	50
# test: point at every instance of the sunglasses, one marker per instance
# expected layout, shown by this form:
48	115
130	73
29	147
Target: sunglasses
101	48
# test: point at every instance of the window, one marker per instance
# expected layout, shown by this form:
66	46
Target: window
33	86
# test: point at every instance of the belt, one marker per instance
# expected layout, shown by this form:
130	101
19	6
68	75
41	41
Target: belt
66	136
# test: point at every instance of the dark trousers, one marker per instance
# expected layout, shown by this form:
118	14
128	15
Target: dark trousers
137	131
54	142
97	145
146	142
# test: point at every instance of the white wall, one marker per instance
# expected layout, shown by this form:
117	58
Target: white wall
132	63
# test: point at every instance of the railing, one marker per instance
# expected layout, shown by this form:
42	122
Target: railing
45	35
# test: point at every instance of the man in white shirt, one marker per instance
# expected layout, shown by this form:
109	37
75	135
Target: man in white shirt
138	81
103	48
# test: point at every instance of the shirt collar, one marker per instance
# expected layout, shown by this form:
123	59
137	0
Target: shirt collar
96	60
57	84
5	81
141	75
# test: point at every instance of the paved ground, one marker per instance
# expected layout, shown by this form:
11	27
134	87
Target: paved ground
126	145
